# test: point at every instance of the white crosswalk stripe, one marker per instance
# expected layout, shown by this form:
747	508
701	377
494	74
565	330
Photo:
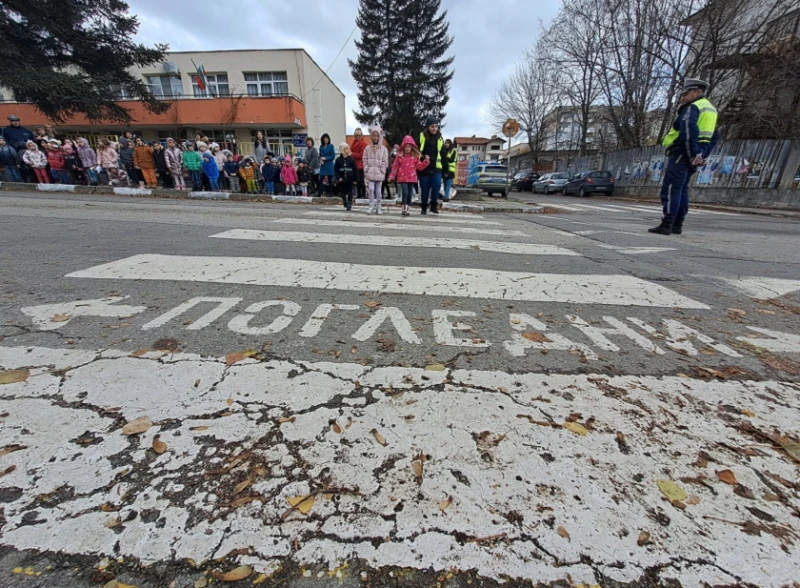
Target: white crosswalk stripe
460	218
395	226
431	281
392	241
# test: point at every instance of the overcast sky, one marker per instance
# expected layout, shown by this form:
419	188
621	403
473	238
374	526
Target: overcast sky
489	37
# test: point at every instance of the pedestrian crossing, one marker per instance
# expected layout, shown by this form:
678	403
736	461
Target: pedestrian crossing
469	279
630	208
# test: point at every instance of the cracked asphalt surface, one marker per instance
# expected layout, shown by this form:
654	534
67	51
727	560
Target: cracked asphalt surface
312	431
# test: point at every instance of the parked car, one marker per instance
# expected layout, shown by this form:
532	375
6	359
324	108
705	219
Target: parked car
525	184
586	183
492	179
550	183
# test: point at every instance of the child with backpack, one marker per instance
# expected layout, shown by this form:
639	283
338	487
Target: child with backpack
404	171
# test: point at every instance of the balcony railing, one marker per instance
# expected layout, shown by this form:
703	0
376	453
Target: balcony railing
183	96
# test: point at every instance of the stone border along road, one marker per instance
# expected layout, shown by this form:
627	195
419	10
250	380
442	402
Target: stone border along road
264	462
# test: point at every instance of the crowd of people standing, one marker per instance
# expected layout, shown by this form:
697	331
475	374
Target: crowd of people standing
363	169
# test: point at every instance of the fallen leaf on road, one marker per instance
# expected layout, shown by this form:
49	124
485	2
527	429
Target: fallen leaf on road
290	419
772	497
443	504
693	500
246	500
372	304
576	428
736	313
140	352
644	538
12	448
435	367
117	584
671	490
234	575
476	248
196	383
158	445
563	532
111	523
229	401
201	583
378	437
708	351
200	428
60	318
242	486
166	345
238	356
336	428
137	426
14	376
536	337
727	476
8	470
417	468
744	492
302	503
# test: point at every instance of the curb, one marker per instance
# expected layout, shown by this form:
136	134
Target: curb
133	191
209	195
55	187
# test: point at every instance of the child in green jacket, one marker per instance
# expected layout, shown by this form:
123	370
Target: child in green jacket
193	163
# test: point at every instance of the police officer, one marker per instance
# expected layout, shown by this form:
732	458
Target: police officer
16	135
689	141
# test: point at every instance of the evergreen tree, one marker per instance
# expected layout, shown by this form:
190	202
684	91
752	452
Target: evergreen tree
72	57
401	70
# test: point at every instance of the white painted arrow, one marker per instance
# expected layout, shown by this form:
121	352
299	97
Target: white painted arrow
777	343
50	317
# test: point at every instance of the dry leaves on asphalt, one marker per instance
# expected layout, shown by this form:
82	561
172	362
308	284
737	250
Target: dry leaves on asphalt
238	356
304	504
443	504
137	426
536	337
736	313
14	376
60	318
158	445
644	538
563	533
576	428
117	584
378	437
290	419
140	352
242	486
435	367
727	476
417	468
336	428
673	492
372	304
236	574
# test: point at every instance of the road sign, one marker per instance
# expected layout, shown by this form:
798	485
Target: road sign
299	139
510	128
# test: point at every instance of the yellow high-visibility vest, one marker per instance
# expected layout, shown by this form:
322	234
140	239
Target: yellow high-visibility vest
706	123
439	146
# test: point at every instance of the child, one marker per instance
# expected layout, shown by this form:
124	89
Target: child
345	172
145	163
9	161
37	160
404	170
248	173
289	175
210	168
88	160
55	158
71	162
303	177
231	171
193	163
107	161
173	157
160	157
376	160
268	173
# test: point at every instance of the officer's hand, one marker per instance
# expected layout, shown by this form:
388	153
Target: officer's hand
698	160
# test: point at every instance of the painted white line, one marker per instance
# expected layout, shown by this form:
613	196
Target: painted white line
497	442
460	219
591	207
763	288
397	226
209	195
636	250
563	207
431	281
134	191
391	241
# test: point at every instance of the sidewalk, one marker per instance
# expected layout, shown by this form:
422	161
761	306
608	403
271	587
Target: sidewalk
530	198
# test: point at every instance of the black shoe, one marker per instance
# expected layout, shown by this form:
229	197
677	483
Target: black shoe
424	210
434	210
665	228
677	228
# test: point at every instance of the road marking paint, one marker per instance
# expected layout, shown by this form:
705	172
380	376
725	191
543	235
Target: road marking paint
443	328
241	323
394	316
599	335
762	288
777	343
636	250
49	317
457	218
224	305
398	226
563	207
432	281
391	241
549	342
588	233
318	317
679	336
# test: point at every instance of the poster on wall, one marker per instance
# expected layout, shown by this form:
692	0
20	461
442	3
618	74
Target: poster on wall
706	173
728	161
656	168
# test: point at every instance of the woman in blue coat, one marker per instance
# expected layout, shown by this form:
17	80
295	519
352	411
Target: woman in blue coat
327	155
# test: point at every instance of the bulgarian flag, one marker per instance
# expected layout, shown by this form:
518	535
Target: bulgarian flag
202	81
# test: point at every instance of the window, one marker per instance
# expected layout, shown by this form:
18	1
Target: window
266	83
119	93
165	86
495	147
464	148
217	86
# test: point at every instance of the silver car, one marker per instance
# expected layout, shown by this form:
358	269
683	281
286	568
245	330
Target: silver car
549	183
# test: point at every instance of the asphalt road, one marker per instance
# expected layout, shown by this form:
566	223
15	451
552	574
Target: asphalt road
395	401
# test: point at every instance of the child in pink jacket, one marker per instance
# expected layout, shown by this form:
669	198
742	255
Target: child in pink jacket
289	176
404	170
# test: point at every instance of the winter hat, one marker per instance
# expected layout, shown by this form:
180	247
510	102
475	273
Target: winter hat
376	127
201	144
55	142
213	145
431	120
343	145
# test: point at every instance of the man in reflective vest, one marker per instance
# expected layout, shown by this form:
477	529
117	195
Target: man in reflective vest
690	140
431	145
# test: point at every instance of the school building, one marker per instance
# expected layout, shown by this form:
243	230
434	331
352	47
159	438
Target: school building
281	92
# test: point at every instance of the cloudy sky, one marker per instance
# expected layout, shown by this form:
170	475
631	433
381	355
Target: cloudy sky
489	37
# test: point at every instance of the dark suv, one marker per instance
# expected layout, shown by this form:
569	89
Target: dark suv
586	183
525	183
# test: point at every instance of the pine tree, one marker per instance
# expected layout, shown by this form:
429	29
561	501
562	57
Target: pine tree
401	70
72	57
